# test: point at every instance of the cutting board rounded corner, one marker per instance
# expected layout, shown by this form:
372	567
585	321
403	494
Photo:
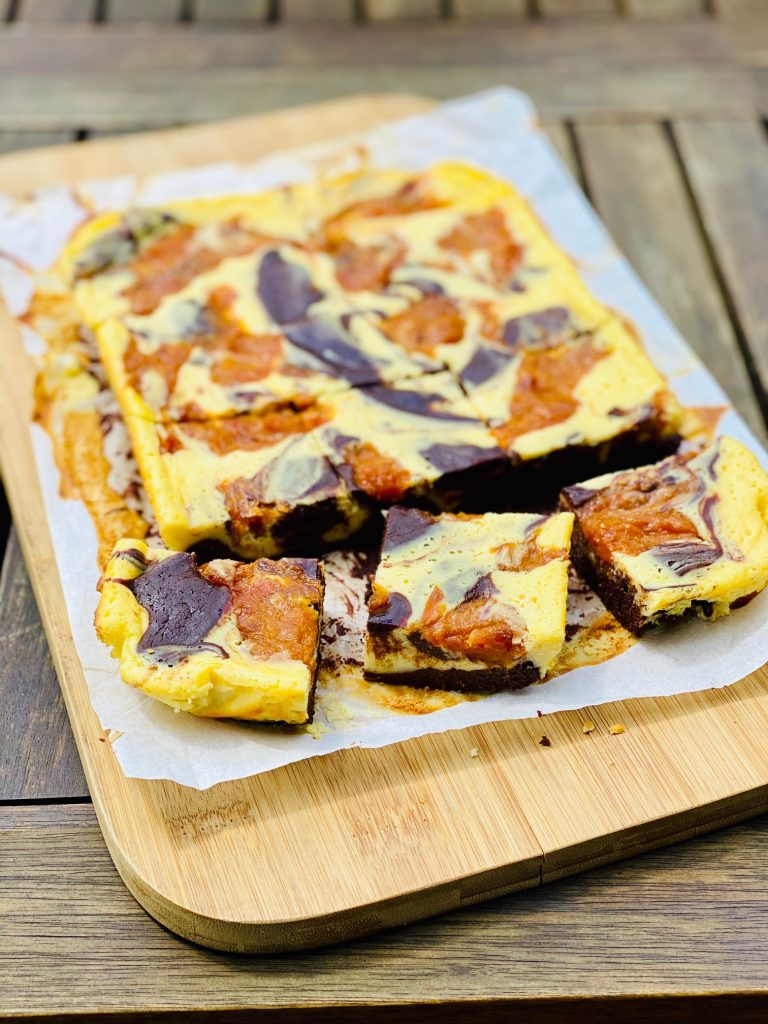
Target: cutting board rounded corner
306	933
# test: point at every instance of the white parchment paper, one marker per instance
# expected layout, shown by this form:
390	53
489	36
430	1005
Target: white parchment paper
498	131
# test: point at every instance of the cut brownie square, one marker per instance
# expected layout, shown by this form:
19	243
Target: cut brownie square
564	401
252	334
688	534
415	442
466	602
258	485
450	223
222	640
554	308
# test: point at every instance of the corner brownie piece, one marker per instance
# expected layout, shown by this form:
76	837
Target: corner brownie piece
686	535
127	263
223	640
417	442
463	602
256	485
566	396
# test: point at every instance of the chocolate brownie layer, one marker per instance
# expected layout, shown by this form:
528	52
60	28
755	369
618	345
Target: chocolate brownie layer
490	680
470	602
611	585
536	482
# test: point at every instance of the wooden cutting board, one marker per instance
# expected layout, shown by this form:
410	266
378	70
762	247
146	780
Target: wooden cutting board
365	839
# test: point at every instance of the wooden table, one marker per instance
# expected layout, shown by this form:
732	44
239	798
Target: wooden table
657	106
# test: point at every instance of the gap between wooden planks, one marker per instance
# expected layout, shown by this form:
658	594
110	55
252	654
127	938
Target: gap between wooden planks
365	839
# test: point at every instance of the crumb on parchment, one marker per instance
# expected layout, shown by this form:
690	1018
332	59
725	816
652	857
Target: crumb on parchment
617	729
110	735
317	729
545	741
474	752
588	727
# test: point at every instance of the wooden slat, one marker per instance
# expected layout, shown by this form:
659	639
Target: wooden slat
747	39
578	8
17	140
635	182
490	8
143	10
38	758
739	8
587	47
311	10
56	10
381	10
759	78
682	922
728	167
231	10
160	97
661	8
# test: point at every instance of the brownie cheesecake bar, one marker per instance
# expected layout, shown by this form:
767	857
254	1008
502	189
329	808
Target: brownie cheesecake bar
257	485
565	397
253	334
221	640
416	442
686	535
464	602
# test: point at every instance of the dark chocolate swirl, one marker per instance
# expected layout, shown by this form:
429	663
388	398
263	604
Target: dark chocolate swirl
183	608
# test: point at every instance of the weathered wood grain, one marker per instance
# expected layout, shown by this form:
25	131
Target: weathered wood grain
159	97
38	758
381	10
667	928
747	39
143	10
55	10
728	167
490	8
577	8
12	141
335	11
739	8
636	185
230	10
660	8
49	50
